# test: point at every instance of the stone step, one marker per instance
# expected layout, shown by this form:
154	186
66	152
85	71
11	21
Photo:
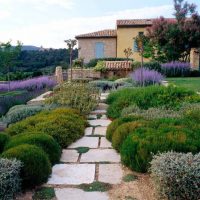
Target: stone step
78	194
100	155
99	122
72	174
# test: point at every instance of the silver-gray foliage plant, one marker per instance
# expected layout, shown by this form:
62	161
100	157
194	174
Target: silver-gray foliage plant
10	181
176	175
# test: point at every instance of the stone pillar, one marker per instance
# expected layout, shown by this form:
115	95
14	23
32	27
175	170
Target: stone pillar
59	75
194	59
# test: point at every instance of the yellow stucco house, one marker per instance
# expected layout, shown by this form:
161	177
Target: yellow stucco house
112	43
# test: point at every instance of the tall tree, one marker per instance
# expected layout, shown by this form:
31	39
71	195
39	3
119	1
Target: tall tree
71	44
8	56
172	39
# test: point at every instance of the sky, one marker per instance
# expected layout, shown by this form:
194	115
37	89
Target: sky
48	23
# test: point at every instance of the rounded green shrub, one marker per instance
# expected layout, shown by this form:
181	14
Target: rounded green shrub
64	125
149	97
116	123
44	141
122	132
137	149
36	166
4	139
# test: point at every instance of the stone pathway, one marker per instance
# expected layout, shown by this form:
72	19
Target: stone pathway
101	163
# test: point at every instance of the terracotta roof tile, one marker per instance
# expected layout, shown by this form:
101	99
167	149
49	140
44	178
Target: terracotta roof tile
118	65
134	22
99	34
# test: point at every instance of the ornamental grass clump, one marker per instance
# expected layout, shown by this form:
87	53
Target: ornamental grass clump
176	69
176	175
80	96
145	77
10	181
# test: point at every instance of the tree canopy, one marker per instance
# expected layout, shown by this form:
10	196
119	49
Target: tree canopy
172	39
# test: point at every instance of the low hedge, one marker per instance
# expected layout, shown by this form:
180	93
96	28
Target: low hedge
64	125
158	136
116	123
36	165
44	141
149	97
176	175
4	139
9	178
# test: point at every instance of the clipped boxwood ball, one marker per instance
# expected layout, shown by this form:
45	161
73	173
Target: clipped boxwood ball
36	165
4	139
122	132
44	141
118	122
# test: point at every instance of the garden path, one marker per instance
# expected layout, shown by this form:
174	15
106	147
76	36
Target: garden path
99	163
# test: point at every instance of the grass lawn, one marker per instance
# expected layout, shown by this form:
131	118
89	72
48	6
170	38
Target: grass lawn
190	83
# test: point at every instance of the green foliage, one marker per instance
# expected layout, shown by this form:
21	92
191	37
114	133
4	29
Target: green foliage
20	112
116	123
4	139
36	166
100	67
44	193
158	136
44	141
80	96
151	113
129	178
176	175
78	63
122	132
10	178
95	187
82	149
149	97
64	125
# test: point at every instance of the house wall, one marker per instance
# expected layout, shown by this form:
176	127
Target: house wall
125	40
87	47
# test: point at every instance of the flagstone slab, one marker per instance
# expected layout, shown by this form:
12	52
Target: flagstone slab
91	142
88	131
78	194
99	122
100	155
102	106
92	117
72	174
104	117
100	130
69	156
101	112
105	143
110	173
105	94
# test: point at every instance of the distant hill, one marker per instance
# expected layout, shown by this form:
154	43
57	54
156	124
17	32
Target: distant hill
30	48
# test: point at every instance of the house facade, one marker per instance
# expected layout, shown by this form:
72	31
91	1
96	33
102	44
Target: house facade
112	43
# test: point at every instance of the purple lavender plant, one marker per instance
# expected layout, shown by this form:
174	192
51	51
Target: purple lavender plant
143	76
175	69
33	84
